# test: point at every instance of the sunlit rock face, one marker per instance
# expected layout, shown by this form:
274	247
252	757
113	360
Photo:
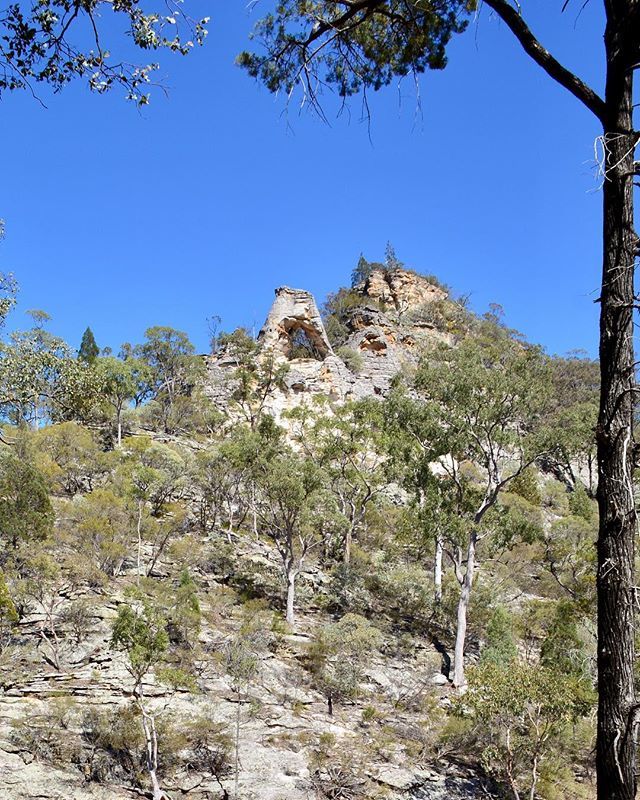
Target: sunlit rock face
400	289
294	312
386	331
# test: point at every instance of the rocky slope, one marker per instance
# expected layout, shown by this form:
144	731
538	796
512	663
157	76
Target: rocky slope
290	748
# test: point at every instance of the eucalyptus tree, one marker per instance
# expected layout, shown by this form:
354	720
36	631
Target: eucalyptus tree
140	632
53	42
257	376
349	446
476	422
121	381
366	44
26	514
293	510
173	369
576	386
40	380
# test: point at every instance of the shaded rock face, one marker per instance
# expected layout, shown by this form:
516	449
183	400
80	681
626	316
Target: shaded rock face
384	331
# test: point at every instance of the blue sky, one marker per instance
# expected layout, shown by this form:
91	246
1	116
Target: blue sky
211	197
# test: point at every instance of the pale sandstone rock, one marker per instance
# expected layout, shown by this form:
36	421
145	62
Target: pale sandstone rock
400	289
294	310
379	332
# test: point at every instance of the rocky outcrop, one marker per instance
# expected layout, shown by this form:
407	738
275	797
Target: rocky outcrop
385	334
400	289
294	311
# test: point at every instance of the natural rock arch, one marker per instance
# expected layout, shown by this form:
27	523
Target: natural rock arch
294	320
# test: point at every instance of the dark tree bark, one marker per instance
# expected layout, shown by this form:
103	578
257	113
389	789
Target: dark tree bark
615	754
615	747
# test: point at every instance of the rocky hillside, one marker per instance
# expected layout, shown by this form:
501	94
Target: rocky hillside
249	581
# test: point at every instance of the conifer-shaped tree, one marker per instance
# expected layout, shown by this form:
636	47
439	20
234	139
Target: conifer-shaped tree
89	349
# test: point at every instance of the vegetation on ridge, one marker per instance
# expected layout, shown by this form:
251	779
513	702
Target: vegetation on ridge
445	531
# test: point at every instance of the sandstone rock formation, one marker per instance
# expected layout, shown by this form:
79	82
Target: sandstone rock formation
387	331
401	289
294	311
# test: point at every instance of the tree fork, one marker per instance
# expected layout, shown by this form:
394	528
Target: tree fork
615	747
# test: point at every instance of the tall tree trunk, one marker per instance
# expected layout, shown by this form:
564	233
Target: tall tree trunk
139	532
236	779
459	680
437	572
291	597
615	749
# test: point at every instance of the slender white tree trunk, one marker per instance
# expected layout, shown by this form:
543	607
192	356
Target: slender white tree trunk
139	530
236	792
459	680
437	572
151	741
291	596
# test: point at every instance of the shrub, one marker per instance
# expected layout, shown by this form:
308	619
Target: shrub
526	486
352	358
580	504
521	720
338	655
500	647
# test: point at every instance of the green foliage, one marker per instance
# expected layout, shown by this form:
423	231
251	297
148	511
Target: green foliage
521	719
322	43
48	737
89	349
122	381
8	288
363	269
581	505
26	514
185	615
40	379
391	260
46	44
78	618
209	747
152	472
141	633
173	370
8	614
352	358
100	528
118	743
500	646
255	378
563	650
71	457
339	654
572	417
526	486
570	557
336	312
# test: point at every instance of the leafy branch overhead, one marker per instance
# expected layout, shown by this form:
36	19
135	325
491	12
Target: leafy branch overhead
354	45
55	41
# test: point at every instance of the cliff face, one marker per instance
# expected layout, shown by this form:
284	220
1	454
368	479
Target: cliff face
400	289
385	332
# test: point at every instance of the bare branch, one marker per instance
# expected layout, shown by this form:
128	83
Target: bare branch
516	24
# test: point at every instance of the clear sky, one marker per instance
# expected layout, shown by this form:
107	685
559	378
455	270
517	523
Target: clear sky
210	198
